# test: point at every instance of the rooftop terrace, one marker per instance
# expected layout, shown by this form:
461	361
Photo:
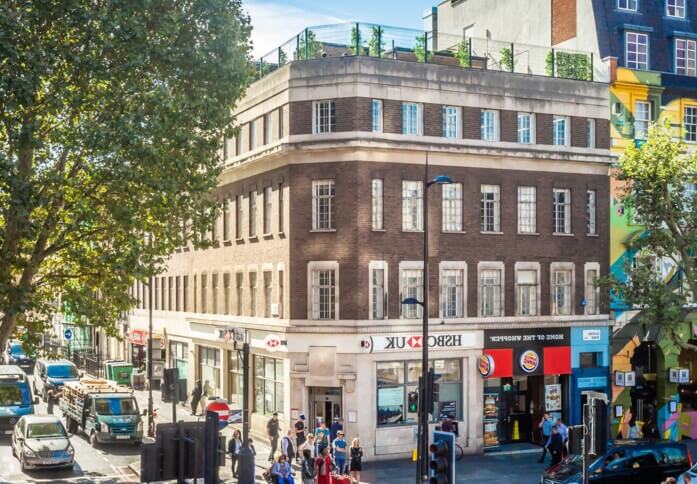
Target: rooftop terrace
366	39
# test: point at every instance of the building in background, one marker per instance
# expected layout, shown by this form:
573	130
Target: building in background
648	48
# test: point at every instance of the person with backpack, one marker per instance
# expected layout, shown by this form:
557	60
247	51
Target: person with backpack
323	467
287	446
307	470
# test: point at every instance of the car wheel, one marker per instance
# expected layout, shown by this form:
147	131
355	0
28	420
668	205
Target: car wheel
93	439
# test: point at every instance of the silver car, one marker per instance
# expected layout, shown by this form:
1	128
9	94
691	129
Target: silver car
40	441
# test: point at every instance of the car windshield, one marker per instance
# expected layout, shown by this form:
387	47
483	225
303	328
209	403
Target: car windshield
45	430
61	371
14	395
116	406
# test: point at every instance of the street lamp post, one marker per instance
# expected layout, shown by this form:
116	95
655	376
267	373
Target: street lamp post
424	399
151	422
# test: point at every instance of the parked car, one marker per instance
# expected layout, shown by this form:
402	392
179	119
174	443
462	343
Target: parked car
15	355
52	375
635	462
16	399
40	441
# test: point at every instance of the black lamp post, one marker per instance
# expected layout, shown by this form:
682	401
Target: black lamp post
424	399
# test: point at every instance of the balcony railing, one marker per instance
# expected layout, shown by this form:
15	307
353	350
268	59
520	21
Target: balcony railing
365	39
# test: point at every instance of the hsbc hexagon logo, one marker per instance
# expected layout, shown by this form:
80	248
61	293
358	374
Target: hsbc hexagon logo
272	342
414	342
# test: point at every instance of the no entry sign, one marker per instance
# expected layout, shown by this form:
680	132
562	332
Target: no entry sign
222	409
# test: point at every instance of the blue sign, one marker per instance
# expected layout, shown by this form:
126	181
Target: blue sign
592	382
68	333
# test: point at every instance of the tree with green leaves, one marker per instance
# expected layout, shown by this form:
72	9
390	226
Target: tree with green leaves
506	59
376	44
659	194
420	48
111	121
308	47
462	54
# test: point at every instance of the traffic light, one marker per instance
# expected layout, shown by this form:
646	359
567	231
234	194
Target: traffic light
413	401
442	462
432	389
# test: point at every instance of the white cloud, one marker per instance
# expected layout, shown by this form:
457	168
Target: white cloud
275	23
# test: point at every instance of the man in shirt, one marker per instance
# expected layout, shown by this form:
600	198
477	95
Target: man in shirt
340	450
299	434
272	432
545	426
564	432
555	445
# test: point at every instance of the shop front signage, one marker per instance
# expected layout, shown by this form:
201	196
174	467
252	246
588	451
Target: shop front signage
591	335
625	378
231	335
679	375
376	344
591	382
272	342
522	352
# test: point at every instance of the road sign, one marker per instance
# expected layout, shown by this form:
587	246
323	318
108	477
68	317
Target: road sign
68	334
220	407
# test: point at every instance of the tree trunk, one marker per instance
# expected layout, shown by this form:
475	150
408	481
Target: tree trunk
7	325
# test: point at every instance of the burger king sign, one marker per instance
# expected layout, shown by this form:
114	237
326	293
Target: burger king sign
486	365
529	361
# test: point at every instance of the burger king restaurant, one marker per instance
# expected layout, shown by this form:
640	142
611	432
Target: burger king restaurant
528	372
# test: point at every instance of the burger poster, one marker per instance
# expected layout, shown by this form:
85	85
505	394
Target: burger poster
553	397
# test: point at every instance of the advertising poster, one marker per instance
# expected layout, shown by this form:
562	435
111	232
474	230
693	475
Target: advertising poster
491	433
553	397
447	408
491	405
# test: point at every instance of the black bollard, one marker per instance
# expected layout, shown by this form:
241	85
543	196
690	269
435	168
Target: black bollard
245	466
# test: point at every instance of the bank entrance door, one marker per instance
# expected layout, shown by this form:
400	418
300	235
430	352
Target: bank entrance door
325	404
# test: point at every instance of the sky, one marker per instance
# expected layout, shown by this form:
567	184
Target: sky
275	21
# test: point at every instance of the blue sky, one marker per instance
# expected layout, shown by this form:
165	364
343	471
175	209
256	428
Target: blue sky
275	21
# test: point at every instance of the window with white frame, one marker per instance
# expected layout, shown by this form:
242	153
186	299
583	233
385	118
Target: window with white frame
690	123
642	118
451	122
490	208
324	119
268	209
412	205
627	5
590	133
526	292
527	210
378	290
253	213
452	292
561	291
592	291
411	287
562	211
376	111
490	292
489	120
452	207
323	204
526	128
675	8
636	49
686	57
377	210
590	212
560	131
412	118
323	294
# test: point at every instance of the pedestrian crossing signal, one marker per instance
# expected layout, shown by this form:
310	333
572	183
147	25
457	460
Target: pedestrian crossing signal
413	402
442	462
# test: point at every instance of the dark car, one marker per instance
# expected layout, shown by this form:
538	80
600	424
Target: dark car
52	375
15	355
637	462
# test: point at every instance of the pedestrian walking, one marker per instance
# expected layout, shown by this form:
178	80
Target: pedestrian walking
309	445
281	471
356	464
233	448
323	467
307	470
321	441
287	446
340	451
545	427
196	394
49	402
564	432
336	426
555	445
272	432
299	434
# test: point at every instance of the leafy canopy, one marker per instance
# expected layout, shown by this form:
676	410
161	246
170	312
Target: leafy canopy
659	194
111	118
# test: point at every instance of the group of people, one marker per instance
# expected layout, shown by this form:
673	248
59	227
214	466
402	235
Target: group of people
319	453
555	438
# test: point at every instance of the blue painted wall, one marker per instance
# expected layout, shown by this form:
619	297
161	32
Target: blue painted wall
585	379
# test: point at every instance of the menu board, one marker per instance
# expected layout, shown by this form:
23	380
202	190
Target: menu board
491	420
553	397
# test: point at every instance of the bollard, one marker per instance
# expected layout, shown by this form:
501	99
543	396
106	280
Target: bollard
245	466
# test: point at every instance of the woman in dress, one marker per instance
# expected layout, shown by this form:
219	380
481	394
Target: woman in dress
356	464
323	467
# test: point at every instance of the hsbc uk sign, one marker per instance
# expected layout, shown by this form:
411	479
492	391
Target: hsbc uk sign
376	344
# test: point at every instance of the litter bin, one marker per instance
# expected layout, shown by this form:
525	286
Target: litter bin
138	380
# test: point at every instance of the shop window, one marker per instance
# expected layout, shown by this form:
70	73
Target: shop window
179	358
589	359
395	379
235	378
268	385
209	370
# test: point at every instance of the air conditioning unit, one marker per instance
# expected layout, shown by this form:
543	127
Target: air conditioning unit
274	310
